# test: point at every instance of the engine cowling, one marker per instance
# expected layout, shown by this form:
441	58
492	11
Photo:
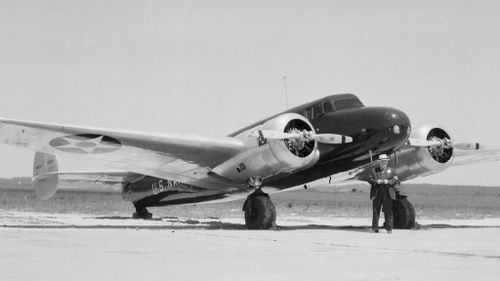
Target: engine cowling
264	158
411	162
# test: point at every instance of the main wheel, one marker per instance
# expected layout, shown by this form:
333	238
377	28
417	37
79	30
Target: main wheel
260	212
404	213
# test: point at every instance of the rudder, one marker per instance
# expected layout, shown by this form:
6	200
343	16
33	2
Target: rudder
45	176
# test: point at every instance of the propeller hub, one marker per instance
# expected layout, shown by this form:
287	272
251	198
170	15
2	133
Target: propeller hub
301	147
443	152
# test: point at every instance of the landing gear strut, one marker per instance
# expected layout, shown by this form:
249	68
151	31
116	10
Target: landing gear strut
142	213
260	212
404	213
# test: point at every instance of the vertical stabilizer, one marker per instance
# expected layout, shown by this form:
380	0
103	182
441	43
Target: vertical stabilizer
45	177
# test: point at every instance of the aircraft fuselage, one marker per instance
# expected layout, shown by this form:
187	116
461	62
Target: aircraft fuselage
374	130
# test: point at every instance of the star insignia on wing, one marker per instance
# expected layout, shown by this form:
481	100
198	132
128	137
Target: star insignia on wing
86	144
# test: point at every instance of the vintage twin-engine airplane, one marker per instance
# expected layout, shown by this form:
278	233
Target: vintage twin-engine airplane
334	136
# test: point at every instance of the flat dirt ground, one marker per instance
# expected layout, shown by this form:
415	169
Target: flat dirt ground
323	234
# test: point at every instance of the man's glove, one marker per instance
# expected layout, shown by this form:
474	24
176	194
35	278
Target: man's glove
379	181
386	181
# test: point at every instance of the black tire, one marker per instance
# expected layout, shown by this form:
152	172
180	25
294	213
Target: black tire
260	212
142	213
404	213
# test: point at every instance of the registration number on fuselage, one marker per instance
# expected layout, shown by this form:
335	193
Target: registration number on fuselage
163	185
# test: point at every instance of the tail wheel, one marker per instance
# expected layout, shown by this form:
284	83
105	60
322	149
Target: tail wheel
142	213
404	213
260	212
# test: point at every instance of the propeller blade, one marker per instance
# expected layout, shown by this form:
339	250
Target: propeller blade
466	145
304	135
446	143
332	138
276	135
424	143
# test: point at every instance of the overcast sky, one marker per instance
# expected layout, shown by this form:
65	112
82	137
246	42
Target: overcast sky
211	67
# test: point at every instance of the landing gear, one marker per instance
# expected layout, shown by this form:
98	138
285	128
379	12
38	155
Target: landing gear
404	213
142	213
260	212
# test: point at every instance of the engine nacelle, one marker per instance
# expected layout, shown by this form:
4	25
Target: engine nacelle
264	158
410	162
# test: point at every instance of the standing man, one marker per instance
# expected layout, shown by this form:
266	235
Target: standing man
382	192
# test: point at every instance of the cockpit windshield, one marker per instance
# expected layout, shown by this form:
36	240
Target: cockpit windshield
351	102
329	104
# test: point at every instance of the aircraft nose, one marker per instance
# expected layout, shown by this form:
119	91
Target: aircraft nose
398	122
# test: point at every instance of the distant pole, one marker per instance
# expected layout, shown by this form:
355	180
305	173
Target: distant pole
286	91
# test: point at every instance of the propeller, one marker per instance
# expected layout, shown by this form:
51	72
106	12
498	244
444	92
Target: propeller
303	136
444	143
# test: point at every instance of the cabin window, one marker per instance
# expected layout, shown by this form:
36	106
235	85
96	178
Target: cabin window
327	107
317	111
309	113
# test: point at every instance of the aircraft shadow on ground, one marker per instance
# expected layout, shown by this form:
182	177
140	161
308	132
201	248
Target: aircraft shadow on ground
216	224
443	226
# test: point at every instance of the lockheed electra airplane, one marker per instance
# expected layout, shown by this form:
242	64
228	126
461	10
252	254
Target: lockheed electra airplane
336	136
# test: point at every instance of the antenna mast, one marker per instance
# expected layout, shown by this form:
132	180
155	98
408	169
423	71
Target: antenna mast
286	91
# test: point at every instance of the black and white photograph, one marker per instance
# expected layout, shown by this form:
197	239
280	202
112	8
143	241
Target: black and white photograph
249	140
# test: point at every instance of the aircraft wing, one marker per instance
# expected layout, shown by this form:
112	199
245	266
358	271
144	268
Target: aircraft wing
460	157
361	173
186	159
464	153
466	157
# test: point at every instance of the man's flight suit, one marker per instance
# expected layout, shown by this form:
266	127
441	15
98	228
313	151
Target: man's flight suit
382	192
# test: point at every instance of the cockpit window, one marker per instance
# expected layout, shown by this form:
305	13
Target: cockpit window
347	103
318	110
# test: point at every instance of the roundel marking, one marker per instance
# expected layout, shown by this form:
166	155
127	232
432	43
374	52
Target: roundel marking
86	144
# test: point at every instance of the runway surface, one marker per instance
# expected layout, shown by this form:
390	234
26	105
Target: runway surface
38	246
